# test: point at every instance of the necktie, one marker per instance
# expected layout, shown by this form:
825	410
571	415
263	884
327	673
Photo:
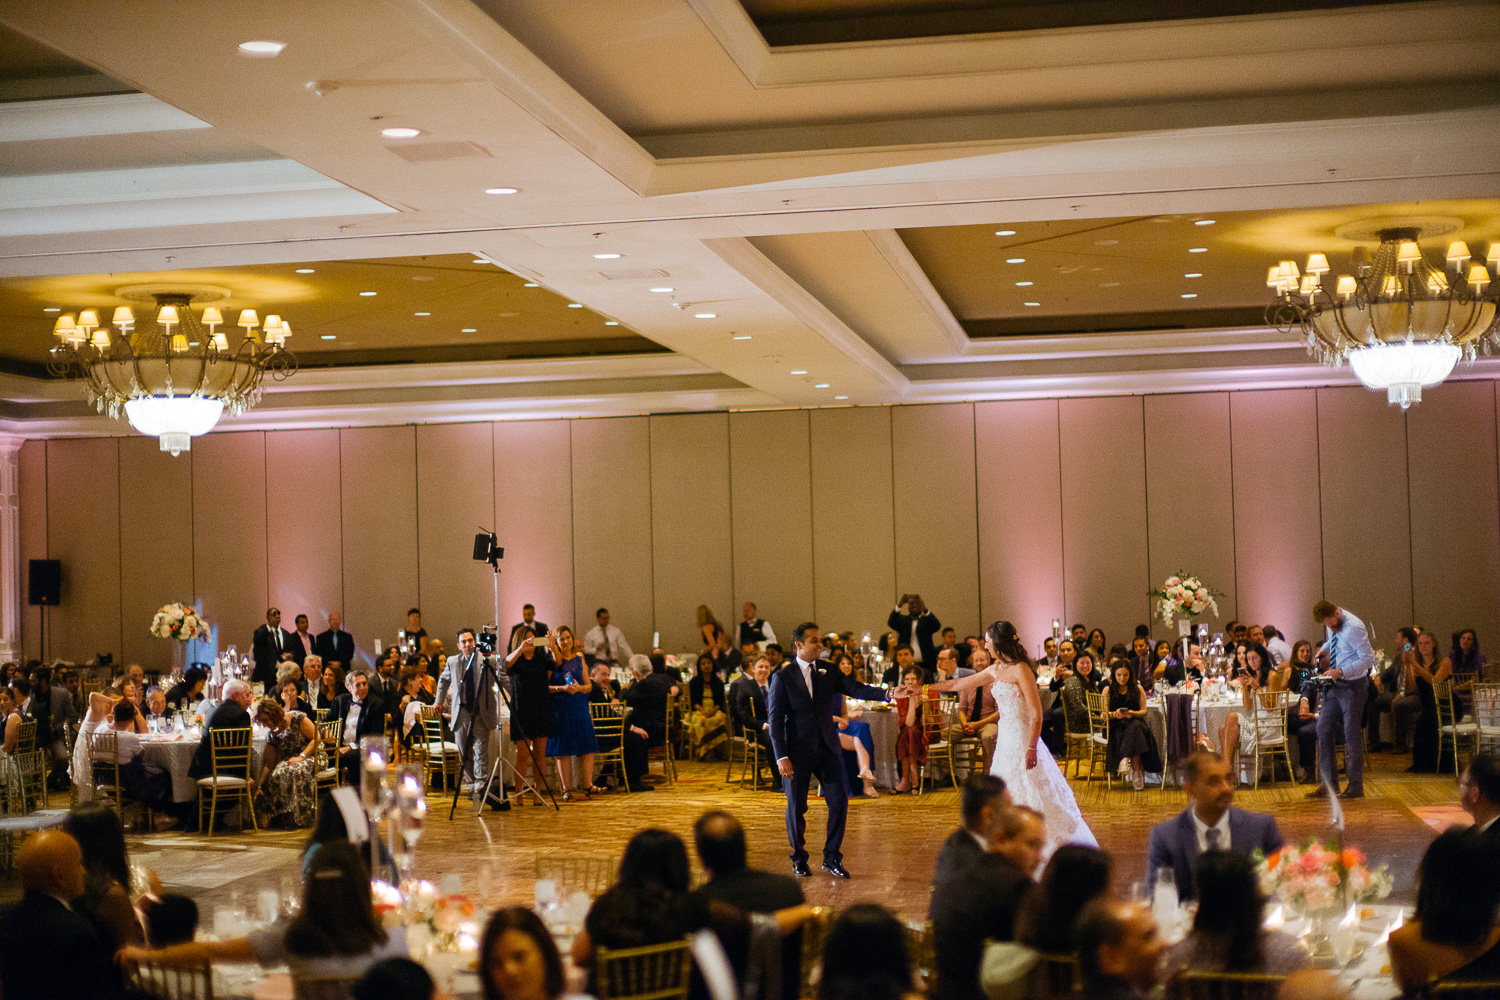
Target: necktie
278	640
1213	839
471	683
608	657
763	693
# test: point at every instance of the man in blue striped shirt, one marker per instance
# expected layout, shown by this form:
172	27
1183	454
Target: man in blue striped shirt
1346	659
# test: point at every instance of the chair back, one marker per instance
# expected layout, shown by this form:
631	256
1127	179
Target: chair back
652	972
104	758
607	719
26	737
231	752
921	951
1270	708
323	987
1224	986
1444	694
171	982
1460	989
1487	710
1058	975
814	936
31	774
572	872
328	741
933	715
1098	714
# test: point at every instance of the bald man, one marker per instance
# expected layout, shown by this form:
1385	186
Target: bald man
43	923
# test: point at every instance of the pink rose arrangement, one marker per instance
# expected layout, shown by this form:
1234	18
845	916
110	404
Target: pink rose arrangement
1183	596
178	621
1319	876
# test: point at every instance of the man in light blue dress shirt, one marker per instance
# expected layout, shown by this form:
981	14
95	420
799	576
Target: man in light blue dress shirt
1346	658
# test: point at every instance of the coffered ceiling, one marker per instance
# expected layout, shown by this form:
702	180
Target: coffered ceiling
778	204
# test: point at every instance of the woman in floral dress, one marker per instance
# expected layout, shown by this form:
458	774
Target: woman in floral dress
287	789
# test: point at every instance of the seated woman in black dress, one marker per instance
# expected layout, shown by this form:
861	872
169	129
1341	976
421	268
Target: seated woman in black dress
1130	739
1454	935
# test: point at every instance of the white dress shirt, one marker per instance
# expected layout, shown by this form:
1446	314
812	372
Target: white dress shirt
351	723
619	650
806	669
1222	826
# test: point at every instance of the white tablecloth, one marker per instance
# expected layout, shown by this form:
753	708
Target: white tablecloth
175	756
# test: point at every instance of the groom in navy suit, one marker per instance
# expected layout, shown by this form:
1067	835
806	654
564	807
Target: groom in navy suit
1209	823
806	742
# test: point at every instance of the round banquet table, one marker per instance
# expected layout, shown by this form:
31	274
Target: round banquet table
1211	715
173	753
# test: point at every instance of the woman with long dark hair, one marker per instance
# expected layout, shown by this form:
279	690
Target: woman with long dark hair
854	732
1075	876
570	686
107	890
865	957
1468	661
532	721
1130	738
518	960
708	718
1021	760
1426	667
1227	934
1454	934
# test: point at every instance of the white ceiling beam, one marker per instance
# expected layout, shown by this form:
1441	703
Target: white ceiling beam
81	117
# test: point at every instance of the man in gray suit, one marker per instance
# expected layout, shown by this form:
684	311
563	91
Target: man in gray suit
1209	823
474	708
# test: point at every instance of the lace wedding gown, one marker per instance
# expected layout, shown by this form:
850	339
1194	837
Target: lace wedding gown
1043	787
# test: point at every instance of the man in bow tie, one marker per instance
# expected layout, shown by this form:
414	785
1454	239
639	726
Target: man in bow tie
806	742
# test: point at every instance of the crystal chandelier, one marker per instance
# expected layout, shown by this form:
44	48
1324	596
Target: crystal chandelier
1399	322
174	376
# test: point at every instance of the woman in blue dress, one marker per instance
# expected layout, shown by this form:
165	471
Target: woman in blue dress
573	729
855	738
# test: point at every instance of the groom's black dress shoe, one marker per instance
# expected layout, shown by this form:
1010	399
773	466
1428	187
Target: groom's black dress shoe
799	867
835	869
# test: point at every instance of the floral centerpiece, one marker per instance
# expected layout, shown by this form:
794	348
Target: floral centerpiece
178	621
441	922
1183	596
1320	876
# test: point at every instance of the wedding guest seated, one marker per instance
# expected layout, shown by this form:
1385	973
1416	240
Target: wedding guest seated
107	899
291	698
647	727
286	792
896	672
911	740
1454	935
1227	935
50	866
518	960
1081	682
1209	823
156	702
335	933
1118	951
232	713
362	715
865	957
1131	742
332	684
982	800
409	708
398	979
1174	672
977	709
1479	793
146	783
708	718
981	902
855	737
605	688
169	919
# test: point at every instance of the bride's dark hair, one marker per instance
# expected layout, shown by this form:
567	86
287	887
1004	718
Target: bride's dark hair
1002	635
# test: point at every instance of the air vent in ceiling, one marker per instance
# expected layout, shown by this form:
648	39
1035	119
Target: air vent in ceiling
426	152
635	274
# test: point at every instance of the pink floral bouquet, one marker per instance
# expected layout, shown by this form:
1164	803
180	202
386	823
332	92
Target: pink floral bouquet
1183	596
1319	876
445	920
178	621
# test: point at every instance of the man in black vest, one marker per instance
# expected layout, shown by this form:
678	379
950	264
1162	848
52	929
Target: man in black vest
755	628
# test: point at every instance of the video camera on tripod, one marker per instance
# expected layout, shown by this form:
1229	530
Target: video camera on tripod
488	640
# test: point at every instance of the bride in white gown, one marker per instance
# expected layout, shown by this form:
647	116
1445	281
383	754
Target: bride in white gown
1022	761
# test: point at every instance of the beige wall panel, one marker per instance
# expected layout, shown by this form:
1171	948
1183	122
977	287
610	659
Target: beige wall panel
33	463
771	482
1279	565
83	531
1190	509
455	496
1020	516
937	547
534	508
379	468
156	503
690	538
611	460
306	529
1104	514
1366	516
229	534
854	557
1455	521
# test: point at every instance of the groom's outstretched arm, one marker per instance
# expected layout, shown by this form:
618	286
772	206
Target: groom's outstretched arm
776	712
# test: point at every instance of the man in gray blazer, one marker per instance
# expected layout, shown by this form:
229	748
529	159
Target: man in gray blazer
1209	823
470	705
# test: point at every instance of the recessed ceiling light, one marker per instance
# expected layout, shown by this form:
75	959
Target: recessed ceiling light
400	133
664	289
421	314
1198	250
502	190
306	270
1105	243
531	284
1190	295
1023	284
705	315
608	256
367	295
1204	222
52	309
740	336
1015	260
800	371
840	397
1193	274
575	305
469	329
330	336
611	322
1030	303
1109	284
261	49
821	385
421	277
1005	232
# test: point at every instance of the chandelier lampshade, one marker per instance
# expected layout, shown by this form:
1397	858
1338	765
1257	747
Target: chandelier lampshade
1399	322
174	375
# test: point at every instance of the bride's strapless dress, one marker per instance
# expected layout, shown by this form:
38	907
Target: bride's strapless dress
1043	787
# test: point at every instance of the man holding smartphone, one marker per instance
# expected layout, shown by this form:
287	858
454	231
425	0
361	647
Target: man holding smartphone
1346	659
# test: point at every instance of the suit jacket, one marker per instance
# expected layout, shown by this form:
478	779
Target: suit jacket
385	688
927	627
979	902
63	711
755	891
959	851
1491	836
302	650
333	645
455	673
227	716
371	720
49	952
801	720
738	692
264	653
648	697
1174	844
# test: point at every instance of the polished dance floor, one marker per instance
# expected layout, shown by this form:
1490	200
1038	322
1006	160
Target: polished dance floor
890	846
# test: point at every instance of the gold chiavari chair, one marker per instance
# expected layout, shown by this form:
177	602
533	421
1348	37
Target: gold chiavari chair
1487	715
609	730
1451	732
1268	716
327	774
228	781
172	982
1224	986
591	873
1099	736
664	754
652	972
814	936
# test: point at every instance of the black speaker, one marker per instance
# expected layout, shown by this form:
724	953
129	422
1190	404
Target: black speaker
44	582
